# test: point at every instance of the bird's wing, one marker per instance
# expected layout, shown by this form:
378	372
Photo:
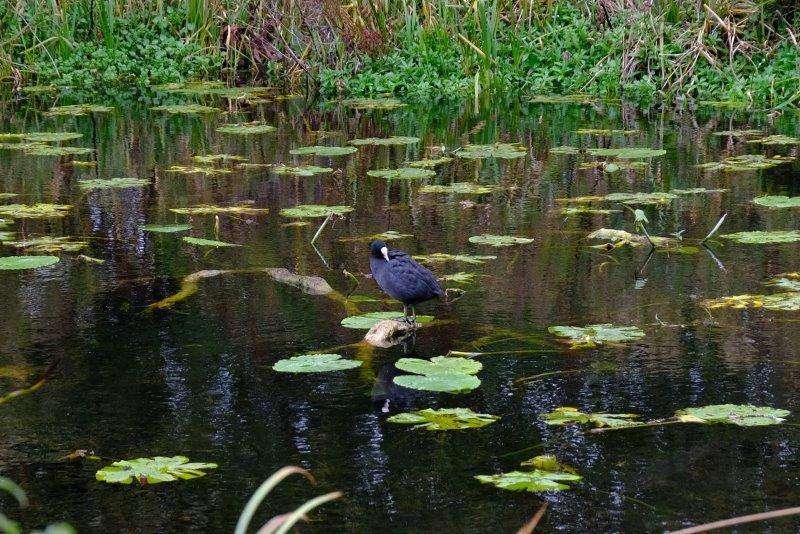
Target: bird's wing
412	279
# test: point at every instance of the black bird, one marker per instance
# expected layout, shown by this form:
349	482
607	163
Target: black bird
402	278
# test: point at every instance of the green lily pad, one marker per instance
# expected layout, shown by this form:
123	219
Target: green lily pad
439	382
622	238
212	159
315	363
759	237
610	167
368	320
324	151
439	364
585	210
208	242
496	150
51	137
205	209
112	183
458	278
641	199
777	201
17	263
247	128
152	470
626	153
314	210
46	150
407	173
733	414
739	133
441	257
745	163
166	228
301	170
787	281
499	240
444	419
77	110
567	415
373	103
604	132
388	235
429	163
591	336
385	141
548	475
776	140
205	170
789	301
48	245
697	191
459	188
185	109
35	211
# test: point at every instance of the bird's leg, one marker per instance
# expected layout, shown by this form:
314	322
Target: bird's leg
413	314
405	312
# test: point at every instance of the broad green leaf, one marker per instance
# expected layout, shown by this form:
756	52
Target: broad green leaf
787	281
408	173
372	103
166	228
152	470
185	109
697	191
429	163
499	240
46	150
621	237
441	257
314	210
641	199
745	163
776	140
16	263
603	132
48	245
733	414
35	211
112	183
439	382
439	364
779	302
247	128
207	170
368	320
324	151
585	210
444	419
51	137
593	335
208	242
496	150
759	237
739	133
459	278
301	170
547	475
566	415
315	363
211	159
77	110
626	153
459	188
777	201
205	209
385	141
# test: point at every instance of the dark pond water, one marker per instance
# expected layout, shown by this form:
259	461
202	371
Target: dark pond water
196	379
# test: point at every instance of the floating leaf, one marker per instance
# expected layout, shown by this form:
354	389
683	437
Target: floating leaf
444	419
739	133
566	415
205	209
621	237
246	128
51	137
388	235
458	278
152	470
621	153
499	240
429	163
585	210
641	199
211	159
208	171
733	414
591	336
112	183
314	210
385	141
167	228
35	211
548	475
368	320
440	373
603	132
46	150
459	188
613	166
777	201
185	109
745	162
408	173
787	281
439	382
441	257
77	110
439	364
82	163
759	237
16	263
324	151
697	191
580	200
779	302
208	242
776	140
372	103
48	245
301	170
315	363
496	150
310	285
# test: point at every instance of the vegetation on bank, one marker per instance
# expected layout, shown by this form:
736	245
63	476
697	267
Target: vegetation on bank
739	50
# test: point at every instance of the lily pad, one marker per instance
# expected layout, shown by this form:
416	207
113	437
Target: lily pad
211	159
621	238
441	257
591	336
301	170
205	170
745	163
35	211
368	320
51	137
208	242
314	210
112	183
439	382
324	151
205	209
429	163
246	128
613	166
499	240
459	188
46	150
439	364
373	103
567	415
777	201
77	110
185	109
789	301
776	140
739	133
697	191
758	237
620	153
458	278
496	150
48	245
604	132
787	281
641	199
153	470
444	419
585	210
315	363
17	263
548	475
166	228
408	173
385	141
733	414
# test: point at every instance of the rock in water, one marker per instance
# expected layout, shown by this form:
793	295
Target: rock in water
388	333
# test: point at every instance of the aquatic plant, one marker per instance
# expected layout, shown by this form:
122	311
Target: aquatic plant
548	475
590	336
77	110
46	150
385	141
439	374
51	137
499	240
247	128
443	419
373	103
566	415
301	170
641	199
192	169
601	132
403	173
153	470
48	245
745	163
112	183
429	163
441	257
778	301
200	242
205	209
185	109
777	201
34	211
315	363
314	211
459	188
211	159
324	151
17	263
368	320
761	237
496	150
776	140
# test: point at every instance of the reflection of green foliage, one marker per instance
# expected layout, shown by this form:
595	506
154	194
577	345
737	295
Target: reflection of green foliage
315	363
547	475
16	263
596	334
408	173
760	237
372	103
444	419
499	240
153	470
603	132
314	210
566	415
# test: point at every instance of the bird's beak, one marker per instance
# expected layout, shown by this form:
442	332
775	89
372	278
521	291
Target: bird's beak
385	252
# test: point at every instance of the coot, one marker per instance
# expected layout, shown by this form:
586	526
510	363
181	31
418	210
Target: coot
402	278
